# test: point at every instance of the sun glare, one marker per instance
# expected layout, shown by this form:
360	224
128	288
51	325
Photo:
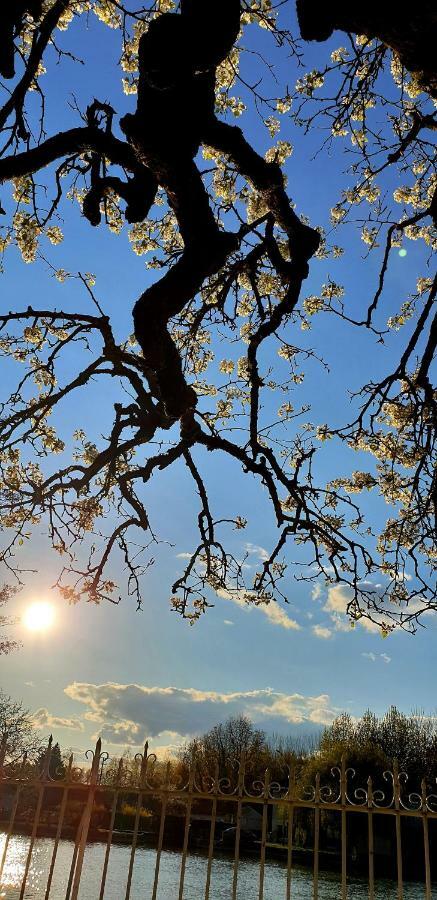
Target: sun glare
39	616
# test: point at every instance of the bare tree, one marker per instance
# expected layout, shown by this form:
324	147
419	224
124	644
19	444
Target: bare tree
7	644
16	723
235	256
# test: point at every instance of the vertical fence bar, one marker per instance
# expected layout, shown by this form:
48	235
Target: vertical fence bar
73	861
212	832
370	839
111	829
397	797
143	774
161	831
186	829
12	816
316	838
290	810
65	791
3	749
240	791
264	834
289	851
86	819
428	894
44	777
343	831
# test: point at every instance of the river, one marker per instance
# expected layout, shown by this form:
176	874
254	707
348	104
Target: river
143	873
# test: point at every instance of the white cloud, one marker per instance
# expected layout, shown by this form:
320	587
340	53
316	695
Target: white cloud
273	611
368	625
374	656
338	599
260	552
316	591
183	555
278	616
321	632
43	719
127	714
339	595
227	622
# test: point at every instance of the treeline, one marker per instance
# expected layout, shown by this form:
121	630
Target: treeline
369	745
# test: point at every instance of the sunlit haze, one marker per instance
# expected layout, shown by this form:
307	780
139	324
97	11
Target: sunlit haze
39	616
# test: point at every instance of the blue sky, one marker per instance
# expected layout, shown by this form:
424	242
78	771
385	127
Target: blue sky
130	675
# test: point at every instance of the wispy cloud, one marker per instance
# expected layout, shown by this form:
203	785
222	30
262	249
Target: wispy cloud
43	719
373	657
273	611
321	631
316	592
258	551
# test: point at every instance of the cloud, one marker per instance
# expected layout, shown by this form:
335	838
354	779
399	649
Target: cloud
227	622
275	613
374	656
370	626
316	591
321	632
260	552
338	599
339	595
278	616
43	719
130	713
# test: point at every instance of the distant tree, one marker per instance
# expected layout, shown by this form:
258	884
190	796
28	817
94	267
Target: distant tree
6	643
371	744
57	768
223	747
217	362
16	723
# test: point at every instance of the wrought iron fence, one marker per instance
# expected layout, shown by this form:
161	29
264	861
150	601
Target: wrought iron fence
329	823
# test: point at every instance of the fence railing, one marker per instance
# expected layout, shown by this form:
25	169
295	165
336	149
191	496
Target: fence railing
372	829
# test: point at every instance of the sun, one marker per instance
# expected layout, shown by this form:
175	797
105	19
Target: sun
39	616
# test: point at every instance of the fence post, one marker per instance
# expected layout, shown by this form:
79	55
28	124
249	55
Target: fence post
290	815
343	828
370	838
240	792
43	778
426	841
397	804
86	819
316	838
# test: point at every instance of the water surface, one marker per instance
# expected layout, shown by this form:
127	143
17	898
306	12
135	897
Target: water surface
195	877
